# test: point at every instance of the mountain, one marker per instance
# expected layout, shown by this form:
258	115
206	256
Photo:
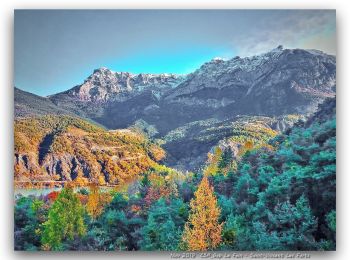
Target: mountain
282	81
206	105
55	148
28	104
104	87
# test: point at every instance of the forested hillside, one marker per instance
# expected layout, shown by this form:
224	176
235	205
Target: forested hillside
28	104
188	145
55	149
284	198
276	193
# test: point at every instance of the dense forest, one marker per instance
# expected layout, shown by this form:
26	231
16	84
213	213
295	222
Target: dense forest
275	193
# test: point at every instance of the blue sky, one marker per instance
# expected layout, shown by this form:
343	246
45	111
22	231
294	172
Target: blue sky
57	49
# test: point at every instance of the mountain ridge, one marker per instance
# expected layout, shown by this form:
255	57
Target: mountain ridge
27	104
104	85
275	84
216	86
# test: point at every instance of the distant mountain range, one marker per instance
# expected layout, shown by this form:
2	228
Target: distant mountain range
273	85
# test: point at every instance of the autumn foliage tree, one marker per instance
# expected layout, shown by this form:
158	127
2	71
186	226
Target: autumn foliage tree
203	231
213	162
96	201
93	206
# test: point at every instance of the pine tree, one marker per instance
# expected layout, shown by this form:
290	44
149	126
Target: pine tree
203	231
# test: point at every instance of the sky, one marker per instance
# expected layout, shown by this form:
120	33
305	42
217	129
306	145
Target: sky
54	50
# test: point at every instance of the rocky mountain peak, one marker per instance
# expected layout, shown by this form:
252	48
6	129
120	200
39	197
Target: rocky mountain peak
104	84
280	76
102	70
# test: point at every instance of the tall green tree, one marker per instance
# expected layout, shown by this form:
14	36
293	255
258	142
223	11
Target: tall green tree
65	220
164	225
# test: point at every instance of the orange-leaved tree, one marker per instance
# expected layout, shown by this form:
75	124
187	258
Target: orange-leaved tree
203	231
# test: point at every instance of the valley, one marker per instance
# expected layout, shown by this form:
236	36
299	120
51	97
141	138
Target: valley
240	151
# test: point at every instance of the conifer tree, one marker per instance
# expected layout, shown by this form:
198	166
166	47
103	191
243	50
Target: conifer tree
203	231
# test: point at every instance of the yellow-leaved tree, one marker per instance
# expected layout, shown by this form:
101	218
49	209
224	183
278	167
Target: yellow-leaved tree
96	201
203	231
93	206
213	162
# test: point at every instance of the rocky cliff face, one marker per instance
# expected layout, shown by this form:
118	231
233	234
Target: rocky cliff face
103	85
278	82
